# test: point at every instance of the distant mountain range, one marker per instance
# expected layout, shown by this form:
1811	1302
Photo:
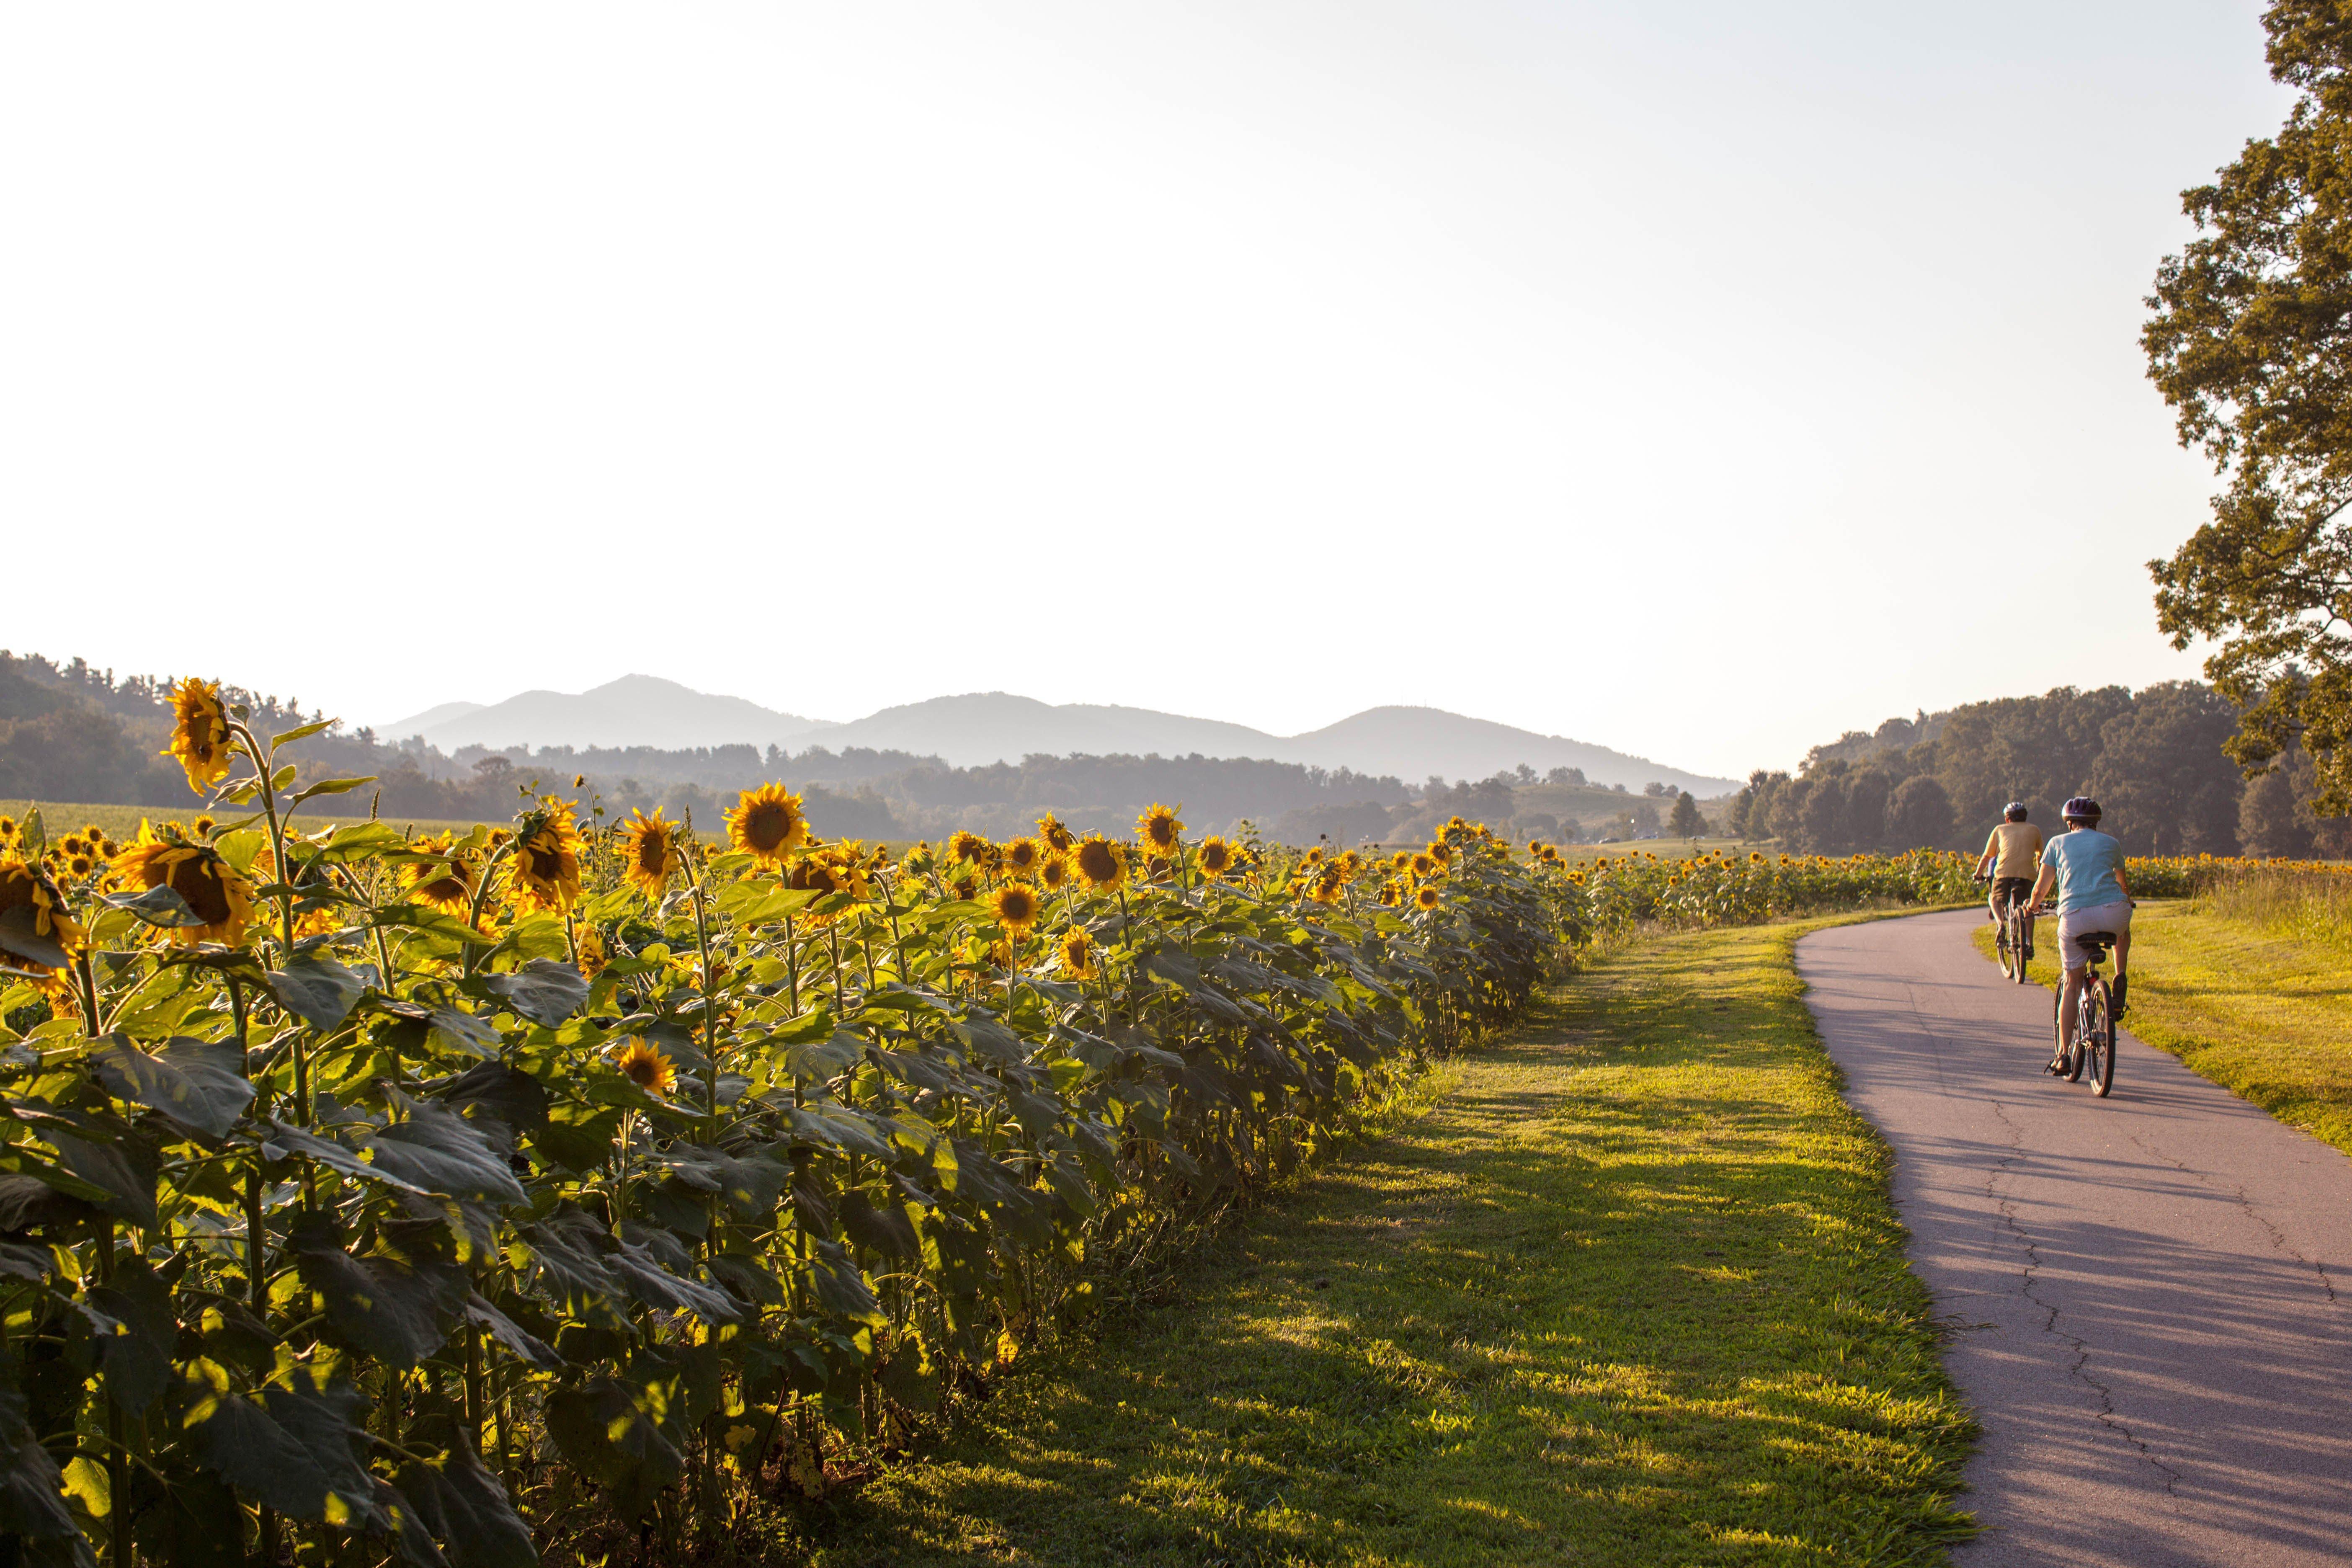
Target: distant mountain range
993	726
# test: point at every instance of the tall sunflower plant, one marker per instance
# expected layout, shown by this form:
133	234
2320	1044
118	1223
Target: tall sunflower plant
369	1196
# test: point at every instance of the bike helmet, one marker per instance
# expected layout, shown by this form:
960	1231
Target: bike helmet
2014	811
2082	808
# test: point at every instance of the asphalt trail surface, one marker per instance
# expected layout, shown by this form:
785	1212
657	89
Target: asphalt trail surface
2150	1296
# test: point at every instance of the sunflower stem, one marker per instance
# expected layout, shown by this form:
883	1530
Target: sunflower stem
710	981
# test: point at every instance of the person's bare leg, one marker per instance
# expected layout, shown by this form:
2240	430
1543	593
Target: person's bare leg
2067	997
2123	952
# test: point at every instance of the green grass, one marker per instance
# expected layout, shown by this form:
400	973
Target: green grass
1630	1291
2266	1016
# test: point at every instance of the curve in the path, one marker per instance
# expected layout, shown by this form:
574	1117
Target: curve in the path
2150	1296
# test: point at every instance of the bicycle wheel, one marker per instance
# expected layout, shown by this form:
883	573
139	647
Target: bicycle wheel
2017	941
2003	949
2099	1013
2078	1058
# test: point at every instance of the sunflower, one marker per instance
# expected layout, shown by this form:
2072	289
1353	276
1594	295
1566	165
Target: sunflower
1021	855
851	863
1057	838
646	1068
1441	851
591	956
920	861
449	885
1101	862
545	869
1215	857
23	887
768	823
1401	861
1425	896
1327	885
1159	828
1017	906
649	854
813	874
1391	894
1054	872
1077	955
199	733
1423	865
209	885
969	848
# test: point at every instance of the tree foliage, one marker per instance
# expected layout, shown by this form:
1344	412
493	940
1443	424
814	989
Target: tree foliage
2154	758
2250	340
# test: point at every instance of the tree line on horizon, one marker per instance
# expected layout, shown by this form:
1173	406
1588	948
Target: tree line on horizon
72	732
2155	760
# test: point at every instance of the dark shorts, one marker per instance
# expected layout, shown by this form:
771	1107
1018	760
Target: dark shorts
2007	890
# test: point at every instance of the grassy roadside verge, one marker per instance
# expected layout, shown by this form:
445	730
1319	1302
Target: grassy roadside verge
2267	1018
1631	1292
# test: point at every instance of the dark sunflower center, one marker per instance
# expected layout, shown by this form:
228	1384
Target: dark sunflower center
198	881
767	824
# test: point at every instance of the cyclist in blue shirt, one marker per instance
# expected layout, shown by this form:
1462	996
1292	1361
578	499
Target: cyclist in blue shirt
2086	867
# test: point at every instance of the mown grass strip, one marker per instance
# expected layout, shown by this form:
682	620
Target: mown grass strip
1631	1292
2266	1017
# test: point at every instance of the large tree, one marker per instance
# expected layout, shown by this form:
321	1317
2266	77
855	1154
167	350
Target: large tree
2251	341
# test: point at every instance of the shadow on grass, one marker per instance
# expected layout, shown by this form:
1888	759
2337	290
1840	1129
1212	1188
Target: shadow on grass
1633	1294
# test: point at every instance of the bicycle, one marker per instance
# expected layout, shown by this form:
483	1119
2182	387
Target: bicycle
2093	1051
2009	938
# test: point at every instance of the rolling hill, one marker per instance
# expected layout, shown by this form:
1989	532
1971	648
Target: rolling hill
634	710
977	728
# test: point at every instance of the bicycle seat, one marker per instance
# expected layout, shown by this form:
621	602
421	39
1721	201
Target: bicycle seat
2096	941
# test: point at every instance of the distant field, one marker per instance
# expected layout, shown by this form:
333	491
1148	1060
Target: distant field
122	822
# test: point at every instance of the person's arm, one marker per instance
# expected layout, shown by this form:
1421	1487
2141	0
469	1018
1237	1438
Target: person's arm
2042	886
1992	850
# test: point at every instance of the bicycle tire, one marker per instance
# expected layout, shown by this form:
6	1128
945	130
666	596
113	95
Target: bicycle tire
2102	1041
2078	1058
2060	1052
2017	944
2002	947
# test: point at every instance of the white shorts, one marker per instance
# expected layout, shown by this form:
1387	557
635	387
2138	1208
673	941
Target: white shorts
2112	917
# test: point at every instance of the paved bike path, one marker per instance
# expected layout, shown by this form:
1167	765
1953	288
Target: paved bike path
2150	1296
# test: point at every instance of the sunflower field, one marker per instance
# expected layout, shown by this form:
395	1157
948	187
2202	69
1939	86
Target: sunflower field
568	1187
1626	892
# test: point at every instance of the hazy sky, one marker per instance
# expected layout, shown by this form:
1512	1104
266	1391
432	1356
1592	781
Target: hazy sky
1698	380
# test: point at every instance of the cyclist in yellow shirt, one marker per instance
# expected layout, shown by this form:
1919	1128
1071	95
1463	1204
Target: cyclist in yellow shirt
2013	855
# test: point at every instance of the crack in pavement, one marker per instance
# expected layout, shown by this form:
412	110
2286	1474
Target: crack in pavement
2080	1370
2238	1196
